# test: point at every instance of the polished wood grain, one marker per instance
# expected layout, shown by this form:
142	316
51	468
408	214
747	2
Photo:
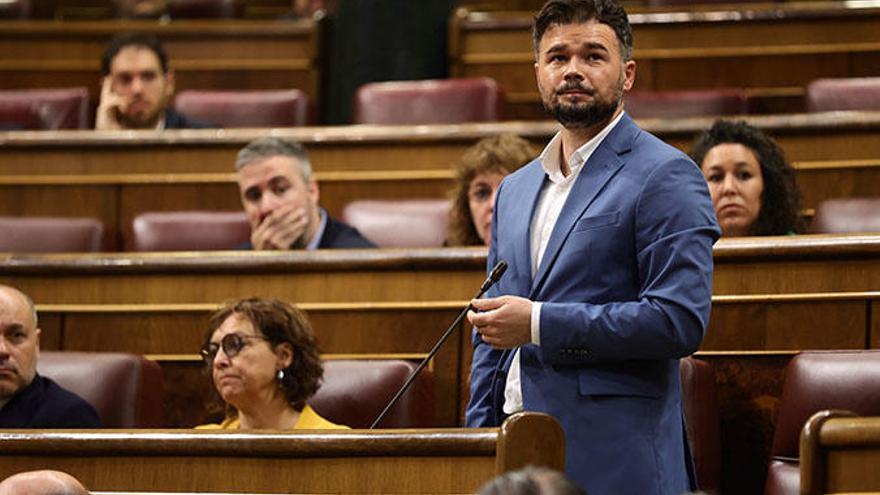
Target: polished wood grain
840	454
808	264
205	54
845	139
116	199
352	461
771	51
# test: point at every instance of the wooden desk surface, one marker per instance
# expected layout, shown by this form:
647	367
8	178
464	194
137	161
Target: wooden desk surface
114	176
771	50
366	149
341	461
205	54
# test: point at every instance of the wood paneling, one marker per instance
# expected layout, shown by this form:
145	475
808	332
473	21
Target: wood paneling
210	54
353	461
113	177
772	51
840	454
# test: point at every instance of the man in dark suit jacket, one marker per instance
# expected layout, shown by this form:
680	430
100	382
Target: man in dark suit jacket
608	236
280	197
28	400
136	87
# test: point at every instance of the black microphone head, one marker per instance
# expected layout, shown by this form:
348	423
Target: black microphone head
496	273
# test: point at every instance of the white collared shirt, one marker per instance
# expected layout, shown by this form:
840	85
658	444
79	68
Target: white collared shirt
552	198
319	233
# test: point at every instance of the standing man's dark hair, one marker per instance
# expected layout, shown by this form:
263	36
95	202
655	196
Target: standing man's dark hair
609	236
607	12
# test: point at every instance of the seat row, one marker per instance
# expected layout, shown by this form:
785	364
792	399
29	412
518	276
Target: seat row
410	223
127	391
408	102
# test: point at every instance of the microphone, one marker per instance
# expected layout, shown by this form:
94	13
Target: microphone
493	277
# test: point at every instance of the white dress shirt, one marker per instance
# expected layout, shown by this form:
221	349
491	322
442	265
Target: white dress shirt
552	198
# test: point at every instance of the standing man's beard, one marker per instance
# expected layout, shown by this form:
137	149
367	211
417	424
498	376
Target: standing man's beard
582	115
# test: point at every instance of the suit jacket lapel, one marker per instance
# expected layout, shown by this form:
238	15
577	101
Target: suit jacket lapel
522	219
600	167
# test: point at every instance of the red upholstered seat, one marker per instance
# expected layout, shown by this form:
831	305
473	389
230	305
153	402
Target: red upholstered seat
814	381
282	108
127	390
690	103
856	93
356	391
205	9
847	215
15	9
441	101
44	109
400	222
50	235
189	231
702	420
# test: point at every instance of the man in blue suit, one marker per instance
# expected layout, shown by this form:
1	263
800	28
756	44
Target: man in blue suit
608	236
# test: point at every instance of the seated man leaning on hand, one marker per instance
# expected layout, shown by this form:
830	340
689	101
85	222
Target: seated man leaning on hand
280	197
28	400
136	87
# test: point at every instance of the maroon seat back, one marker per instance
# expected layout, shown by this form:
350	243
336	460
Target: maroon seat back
189	231
127	390
690	103
847	215
15	9
205	9
50	235
441	101
400	222
356	391
282	108
702	420
814	381
856	93
44	109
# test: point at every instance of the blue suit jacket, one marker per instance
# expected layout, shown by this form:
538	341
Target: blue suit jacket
626	286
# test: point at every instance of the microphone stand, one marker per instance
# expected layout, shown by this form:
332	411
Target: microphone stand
496	273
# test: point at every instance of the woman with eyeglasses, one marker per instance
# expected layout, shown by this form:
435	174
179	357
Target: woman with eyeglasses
477	177
265	364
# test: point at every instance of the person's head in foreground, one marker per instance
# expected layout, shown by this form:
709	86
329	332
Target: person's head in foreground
42	483
477	177
265	364
531	480
752	185
140	9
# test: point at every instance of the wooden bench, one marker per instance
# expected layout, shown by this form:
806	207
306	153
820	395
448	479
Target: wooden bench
207	54
840	454
771	50
341	461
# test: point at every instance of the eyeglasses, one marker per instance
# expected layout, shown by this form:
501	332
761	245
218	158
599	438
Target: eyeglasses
231	343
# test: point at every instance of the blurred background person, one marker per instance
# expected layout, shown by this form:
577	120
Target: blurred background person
42	483
531	480
141	9
265	365
752	185
477	177
137	86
